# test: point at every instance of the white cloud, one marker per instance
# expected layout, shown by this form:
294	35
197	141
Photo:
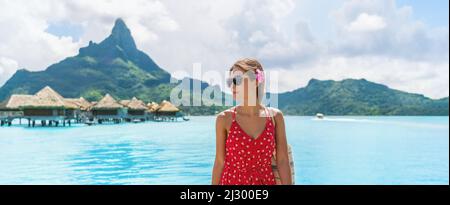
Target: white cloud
381	28
258	37
145	17
367	23
23	36
7	68
256	31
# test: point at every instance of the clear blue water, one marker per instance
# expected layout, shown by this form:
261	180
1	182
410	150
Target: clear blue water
338	150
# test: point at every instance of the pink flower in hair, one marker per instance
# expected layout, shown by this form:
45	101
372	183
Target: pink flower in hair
259	76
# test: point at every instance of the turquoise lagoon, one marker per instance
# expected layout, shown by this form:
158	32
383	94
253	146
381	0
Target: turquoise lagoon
337	150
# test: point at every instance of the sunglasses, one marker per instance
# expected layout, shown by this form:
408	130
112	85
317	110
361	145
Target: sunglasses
235	81
238	79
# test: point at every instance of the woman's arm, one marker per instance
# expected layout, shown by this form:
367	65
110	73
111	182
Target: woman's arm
284	167
221	133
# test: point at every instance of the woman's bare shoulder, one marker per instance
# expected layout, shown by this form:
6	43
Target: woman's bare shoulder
224	116
275	112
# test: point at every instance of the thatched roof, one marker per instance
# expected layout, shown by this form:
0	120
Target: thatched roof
152	106
125	102
107	103
46	98
136	104
15	102
84	103
80	103
167	106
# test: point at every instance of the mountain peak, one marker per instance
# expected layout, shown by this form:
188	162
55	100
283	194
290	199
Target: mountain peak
313	80
121	35
120	27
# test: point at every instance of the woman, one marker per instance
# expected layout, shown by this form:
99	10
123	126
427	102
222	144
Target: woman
247	135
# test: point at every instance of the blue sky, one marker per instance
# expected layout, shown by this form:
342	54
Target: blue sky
65	29
432	12
401	43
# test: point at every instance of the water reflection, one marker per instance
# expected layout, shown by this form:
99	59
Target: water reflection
117	163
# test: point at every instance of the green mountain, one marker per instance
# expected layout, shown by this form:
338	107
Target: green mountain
113	66
118	67
357	97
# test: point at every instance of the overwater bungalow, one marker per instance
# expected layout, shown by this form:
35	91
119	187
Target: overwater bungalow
82	113
135	109
10	110
166	111
151	110
48	107
51	109
152	106
108	109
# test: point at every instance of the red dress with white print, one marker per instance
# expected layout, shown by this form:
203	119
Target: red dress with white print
248	160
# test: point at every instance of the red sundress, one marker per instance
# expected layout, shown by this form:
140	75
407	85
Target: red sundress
248	160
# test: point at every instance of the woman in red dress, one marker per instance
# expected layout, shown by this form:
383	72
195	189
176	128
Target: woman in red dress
247	135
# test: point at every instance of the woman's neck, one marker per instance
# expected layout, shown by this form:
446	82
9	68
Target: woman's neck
250	110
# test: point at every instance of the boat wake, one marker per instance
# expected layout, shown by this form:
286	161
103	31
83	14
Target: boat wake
401	123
